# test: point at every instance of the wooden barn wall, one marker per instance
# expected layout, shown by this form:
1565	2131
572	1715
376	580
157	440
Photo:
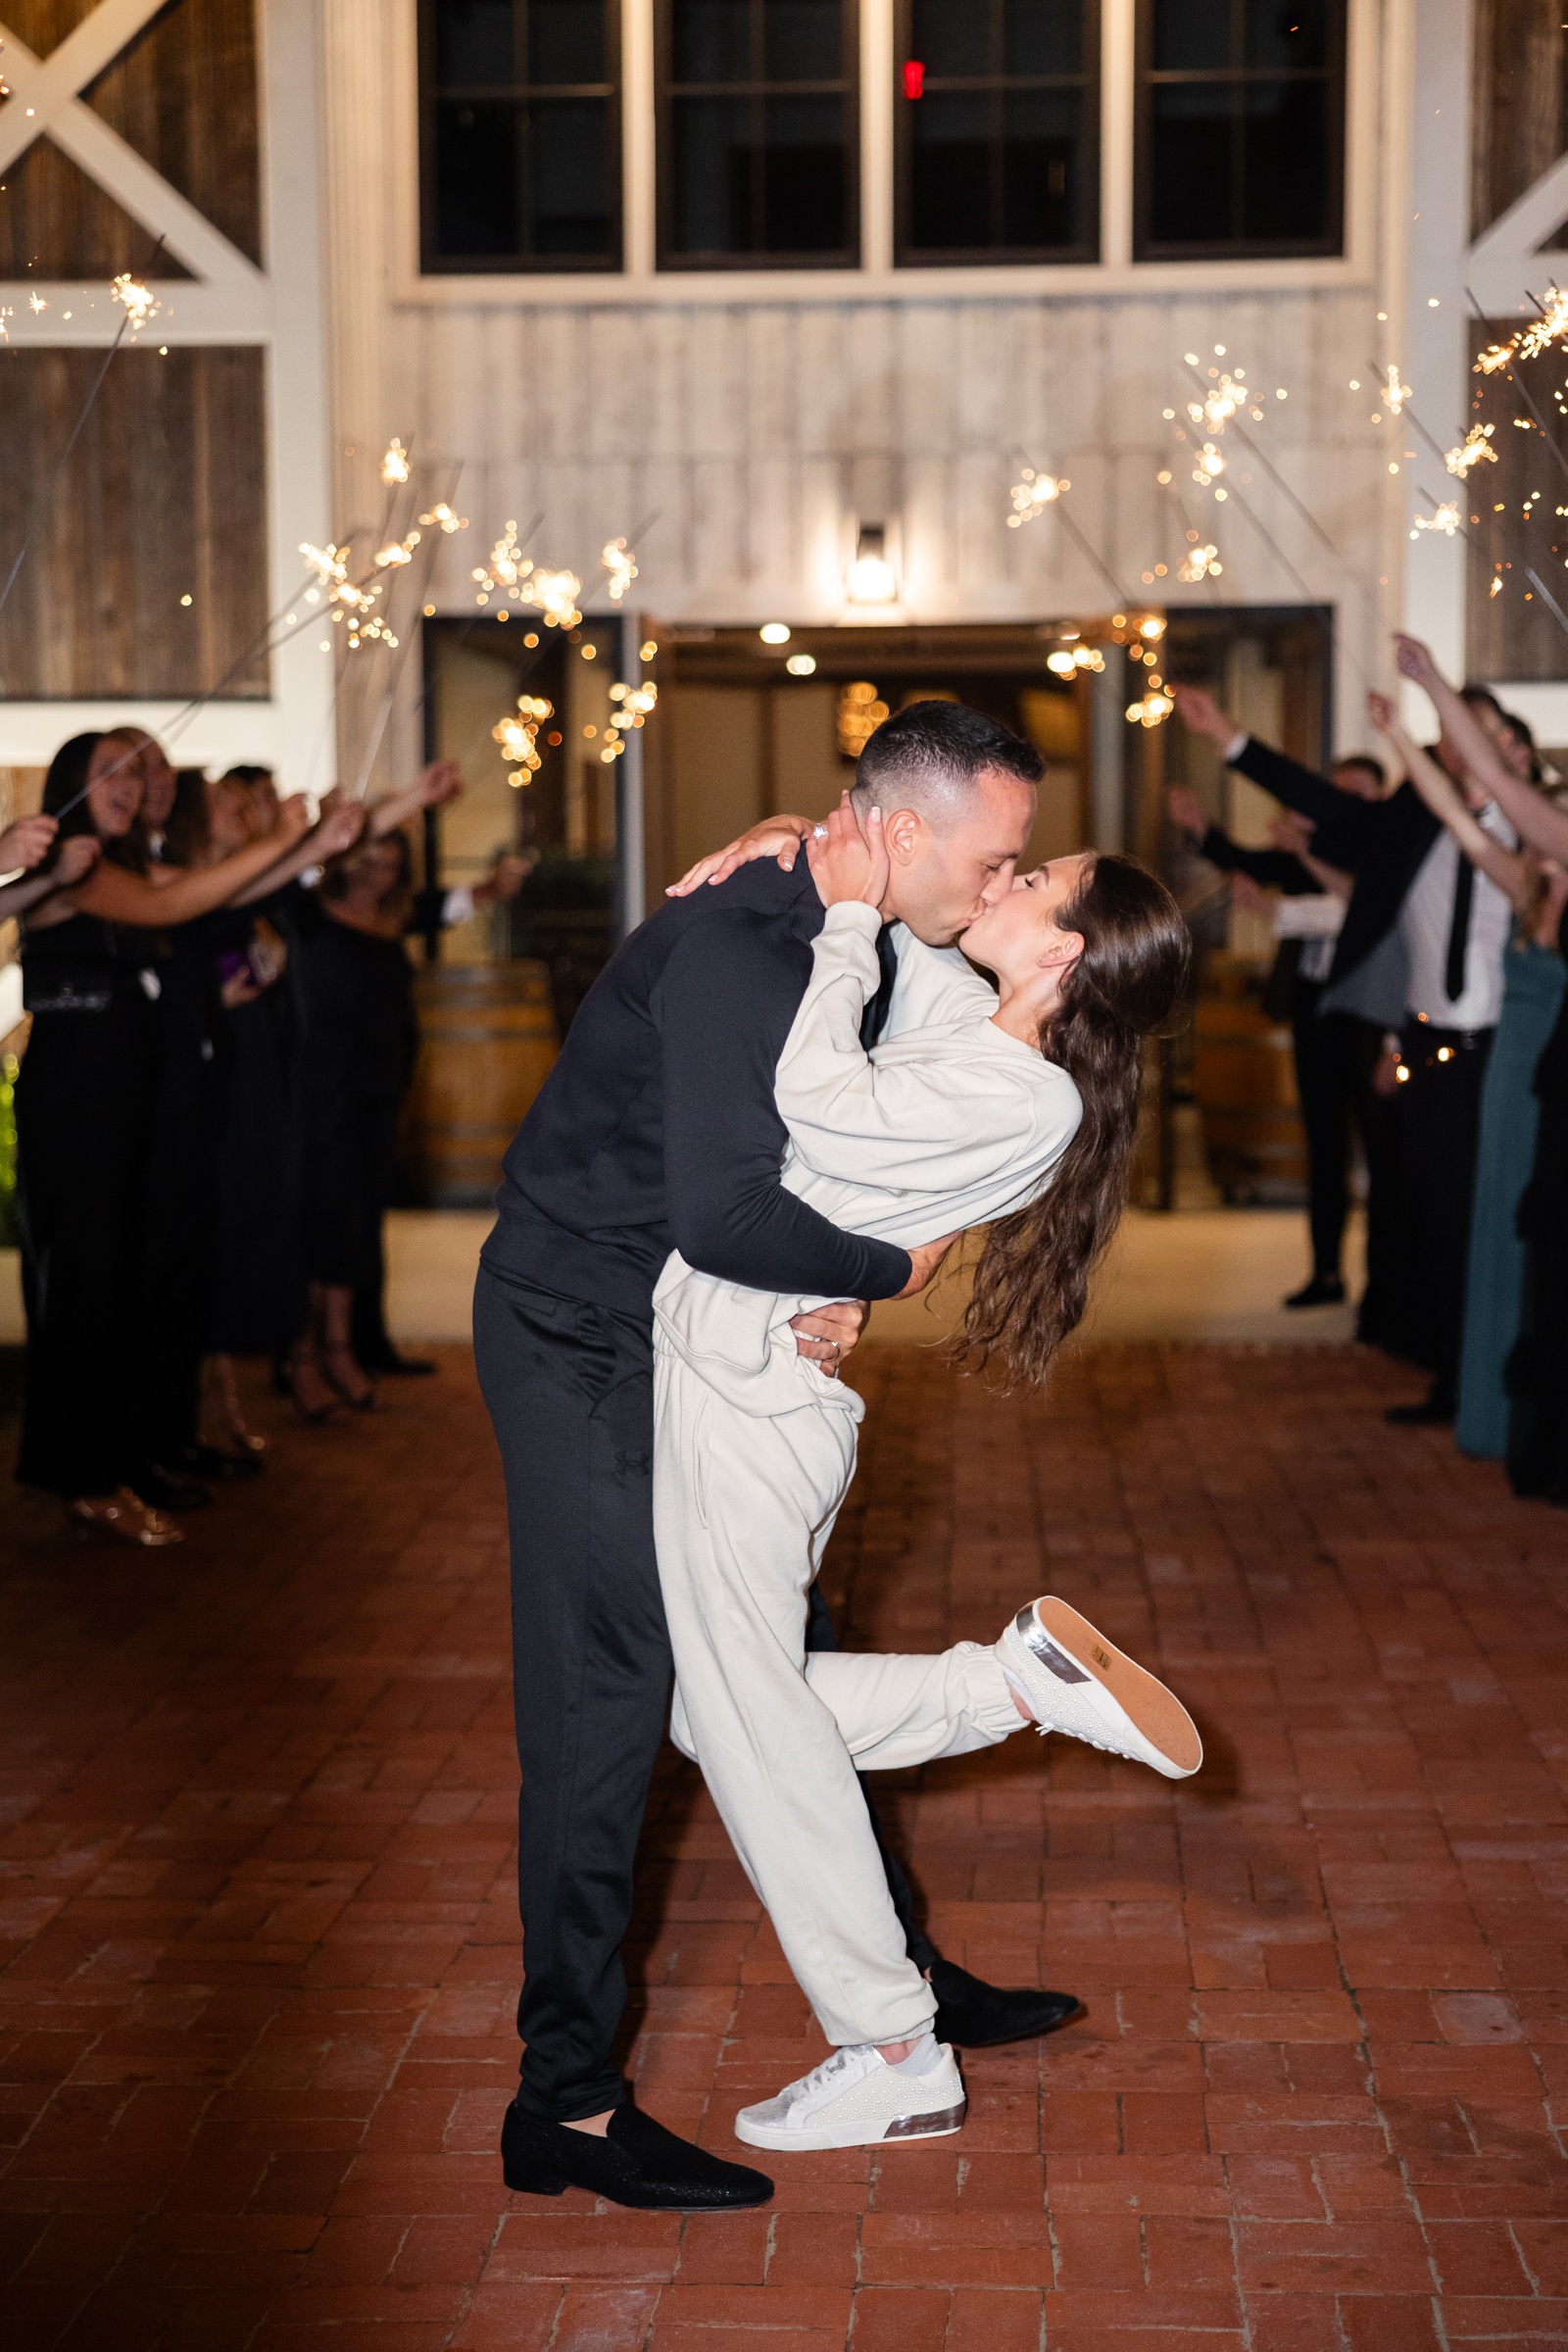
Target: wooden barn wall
164	497
183	94
1520	104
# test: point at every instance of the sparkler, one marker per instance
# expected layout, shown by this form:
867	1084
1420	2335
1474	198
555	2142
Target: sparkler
1200	564
395	464
618	563
1474	450
1393	392
635	705
519	736
56	478
1068	661
139	302
1444	520
1032	493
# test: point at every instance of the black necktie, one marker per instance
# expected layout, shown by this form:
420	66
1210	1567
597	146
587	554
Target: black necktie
874	1018
1464	882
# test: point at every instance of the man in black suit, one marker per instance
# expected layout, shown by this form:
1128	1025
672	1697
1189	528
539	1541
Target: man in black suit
1420	952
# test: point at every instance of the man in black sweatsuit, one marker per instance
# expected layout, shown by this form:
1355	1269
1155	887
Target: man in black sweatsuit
658	1130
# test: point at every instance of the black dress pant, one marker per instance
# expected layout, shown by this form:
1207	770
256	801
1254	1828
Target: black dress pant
84	1124
1440	1114
569	1389
1327	1069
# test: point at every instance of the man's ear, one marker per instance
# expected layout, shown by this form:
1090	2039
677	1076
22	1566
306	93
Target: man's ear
903	832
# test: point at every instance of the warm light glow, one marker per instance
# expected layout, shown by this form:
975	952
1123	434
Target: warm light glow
774	632
1474	450
1032	493
615	559
800	665
1200	564
395	464
861	713
1443	520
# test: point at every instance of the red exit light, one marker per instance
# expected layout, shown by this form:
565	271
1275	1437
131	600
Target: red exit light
913	79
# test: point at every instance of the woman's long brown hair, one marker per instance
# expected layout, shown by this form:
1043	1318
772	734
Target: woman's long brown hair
1031	1284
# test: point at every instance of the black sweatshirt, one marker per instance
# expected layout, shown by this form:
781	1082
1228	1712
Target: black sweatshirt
656	1130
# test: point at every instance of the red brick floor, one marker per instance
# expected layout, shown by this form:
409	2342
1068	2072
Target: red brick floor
256	2028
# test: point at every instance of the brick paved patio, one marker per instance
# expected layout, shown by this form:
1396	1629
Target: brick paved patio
255	2014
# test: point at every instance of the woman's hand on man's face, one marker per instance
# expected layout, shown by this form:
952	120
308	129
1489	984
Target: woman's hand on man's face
849	867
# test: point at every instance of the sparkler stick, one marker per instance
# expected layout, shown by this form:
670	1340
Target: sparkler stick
131	317
1549	600
1521	389
1278	479
432	549
1111	582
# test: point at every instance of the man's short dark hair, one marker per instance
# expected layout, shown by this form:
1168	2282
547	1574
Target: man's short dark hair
929	756
1365	760
1483	694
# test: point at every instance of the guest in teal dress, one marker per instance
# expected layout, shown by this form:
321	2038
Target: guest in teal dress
1534	981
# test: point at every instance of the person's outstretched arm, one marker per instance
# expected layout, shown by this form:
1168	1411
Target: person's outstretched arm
1543	825
122	896
1442	797
1344	824
725	1140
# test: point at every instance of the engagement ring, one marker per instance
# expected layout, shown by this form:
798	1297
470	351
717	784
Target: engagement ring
819	832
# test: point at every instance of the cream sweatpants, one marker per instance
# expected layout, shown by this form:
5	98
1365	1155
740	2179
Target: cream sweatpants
742	1507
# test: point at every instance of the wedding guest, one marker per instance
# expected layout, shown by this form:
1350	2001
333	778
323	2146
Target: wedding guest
1532	989
85	1107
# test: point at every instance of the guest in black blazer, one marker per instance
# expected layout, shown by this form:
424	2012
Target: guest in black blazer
1420	952
1334	1058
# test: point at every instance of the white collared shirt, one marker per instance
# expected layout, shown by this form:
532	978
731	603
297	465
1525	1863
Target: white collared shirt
1426	918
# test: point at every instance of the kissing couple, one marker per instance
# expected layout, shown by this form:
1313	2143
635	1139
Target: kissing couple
786	1095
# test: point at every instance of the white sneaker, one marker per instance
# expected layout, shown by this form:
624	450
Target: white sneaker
855	2099
1072	1680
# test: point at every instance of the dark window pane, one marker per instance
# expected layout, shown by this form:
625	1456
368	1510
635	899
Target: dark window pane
1285	163
1283	33
712	174
569	193
804	40
473	43
952	36
713	40
1190	199
565	40
1192	35
476	179
951	171
1039	168
803	176
1044	37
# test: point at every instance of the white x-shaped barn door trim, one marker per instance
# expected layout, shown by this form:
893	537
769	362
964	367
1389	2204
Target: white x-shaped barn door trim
231	295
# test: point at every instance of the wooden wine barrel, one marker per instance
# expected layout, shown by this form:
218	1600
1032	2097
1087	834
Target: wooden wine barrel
1244	1080
487	1042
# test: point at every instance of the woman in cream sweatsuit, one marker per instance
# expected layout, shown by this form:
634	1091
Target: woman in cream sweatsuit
951	1122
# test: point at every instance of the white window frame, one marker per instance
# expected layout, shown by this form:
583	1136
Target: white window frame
1371	49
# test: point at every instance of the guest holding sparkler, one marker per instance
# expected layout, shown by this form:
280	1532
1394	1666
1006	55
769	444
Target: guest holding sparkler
358	1038
85	1107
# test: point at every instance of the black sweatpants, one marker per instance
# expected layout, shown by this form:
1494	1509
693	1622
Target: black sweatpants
1440	1126
569	1389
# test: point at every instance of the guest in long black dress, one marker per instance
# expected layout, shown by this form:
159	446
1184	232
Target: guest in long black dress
85	1107
357	1040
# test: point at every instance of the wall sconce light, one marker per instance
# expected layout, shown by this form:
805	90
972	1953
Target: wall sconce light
871	579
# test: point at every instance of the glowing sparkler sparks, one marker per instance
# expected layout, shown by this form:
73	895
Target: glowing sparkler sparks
507	569
395	464
1472	451
1068	659
518	737
329	564
1443	520
617	562
1538	336
36	303
1032	493
1392	392
400	551
442	517
1211	465
554	593
1200	564
140	302
1217	407
1151	711
635	703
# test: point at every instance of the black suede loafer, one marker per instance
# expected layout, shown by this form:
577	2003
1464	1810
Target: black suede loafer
976	2015
636	2162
